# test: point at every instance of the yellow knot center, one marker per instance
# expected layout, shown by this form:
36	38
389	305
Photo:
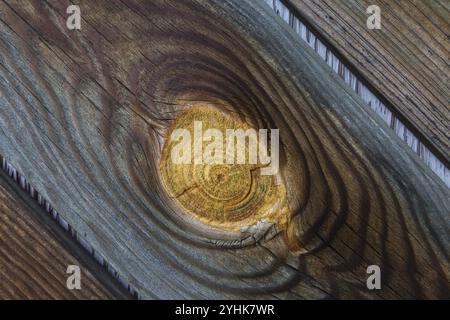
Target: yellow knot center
221	194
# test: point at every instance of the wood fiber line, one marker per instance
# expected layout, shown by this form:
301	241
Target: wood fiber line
407	60
34	255
83	114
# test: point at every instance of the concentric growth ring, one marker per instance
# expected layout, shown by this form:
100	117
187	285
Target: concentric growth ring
225	196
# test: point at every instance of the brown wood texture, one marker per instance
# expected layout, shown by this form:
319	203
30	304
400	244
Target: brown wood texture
83	114
35	253
406	61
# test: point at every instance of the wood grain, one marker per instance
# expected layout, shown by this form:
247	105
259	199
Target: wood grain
83	114
373	99
406	61
35	253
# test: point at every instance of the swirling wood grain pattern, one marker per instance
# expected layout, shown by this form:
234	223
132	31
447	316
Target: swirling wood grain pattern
83	115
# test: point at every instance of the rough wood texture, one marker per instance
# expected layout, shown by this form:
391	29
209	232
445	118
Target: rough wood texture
35	253
83	114
393	118
407	60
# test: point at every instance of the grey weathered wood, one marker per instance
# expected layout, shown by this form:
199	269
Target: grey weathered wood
82	114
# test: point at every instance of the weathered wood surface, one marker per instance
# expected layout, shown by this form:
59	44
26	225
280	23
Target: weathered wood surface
83	113
35	254
407	60
373	99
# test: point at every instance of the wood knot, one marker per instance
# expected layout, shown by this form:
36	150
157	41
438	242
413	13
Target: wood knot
203	170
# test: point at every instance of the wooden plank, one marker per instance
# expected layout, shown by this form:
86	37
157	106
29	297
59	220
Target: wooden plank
406	61
35	254
83	114
373	99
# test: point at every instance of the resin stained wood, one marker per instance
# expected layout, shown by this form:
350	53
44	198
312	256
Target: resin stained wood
83	115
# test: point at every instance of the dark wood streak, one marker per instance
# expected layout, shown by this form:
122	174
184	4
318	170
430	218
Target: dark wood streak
83	114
